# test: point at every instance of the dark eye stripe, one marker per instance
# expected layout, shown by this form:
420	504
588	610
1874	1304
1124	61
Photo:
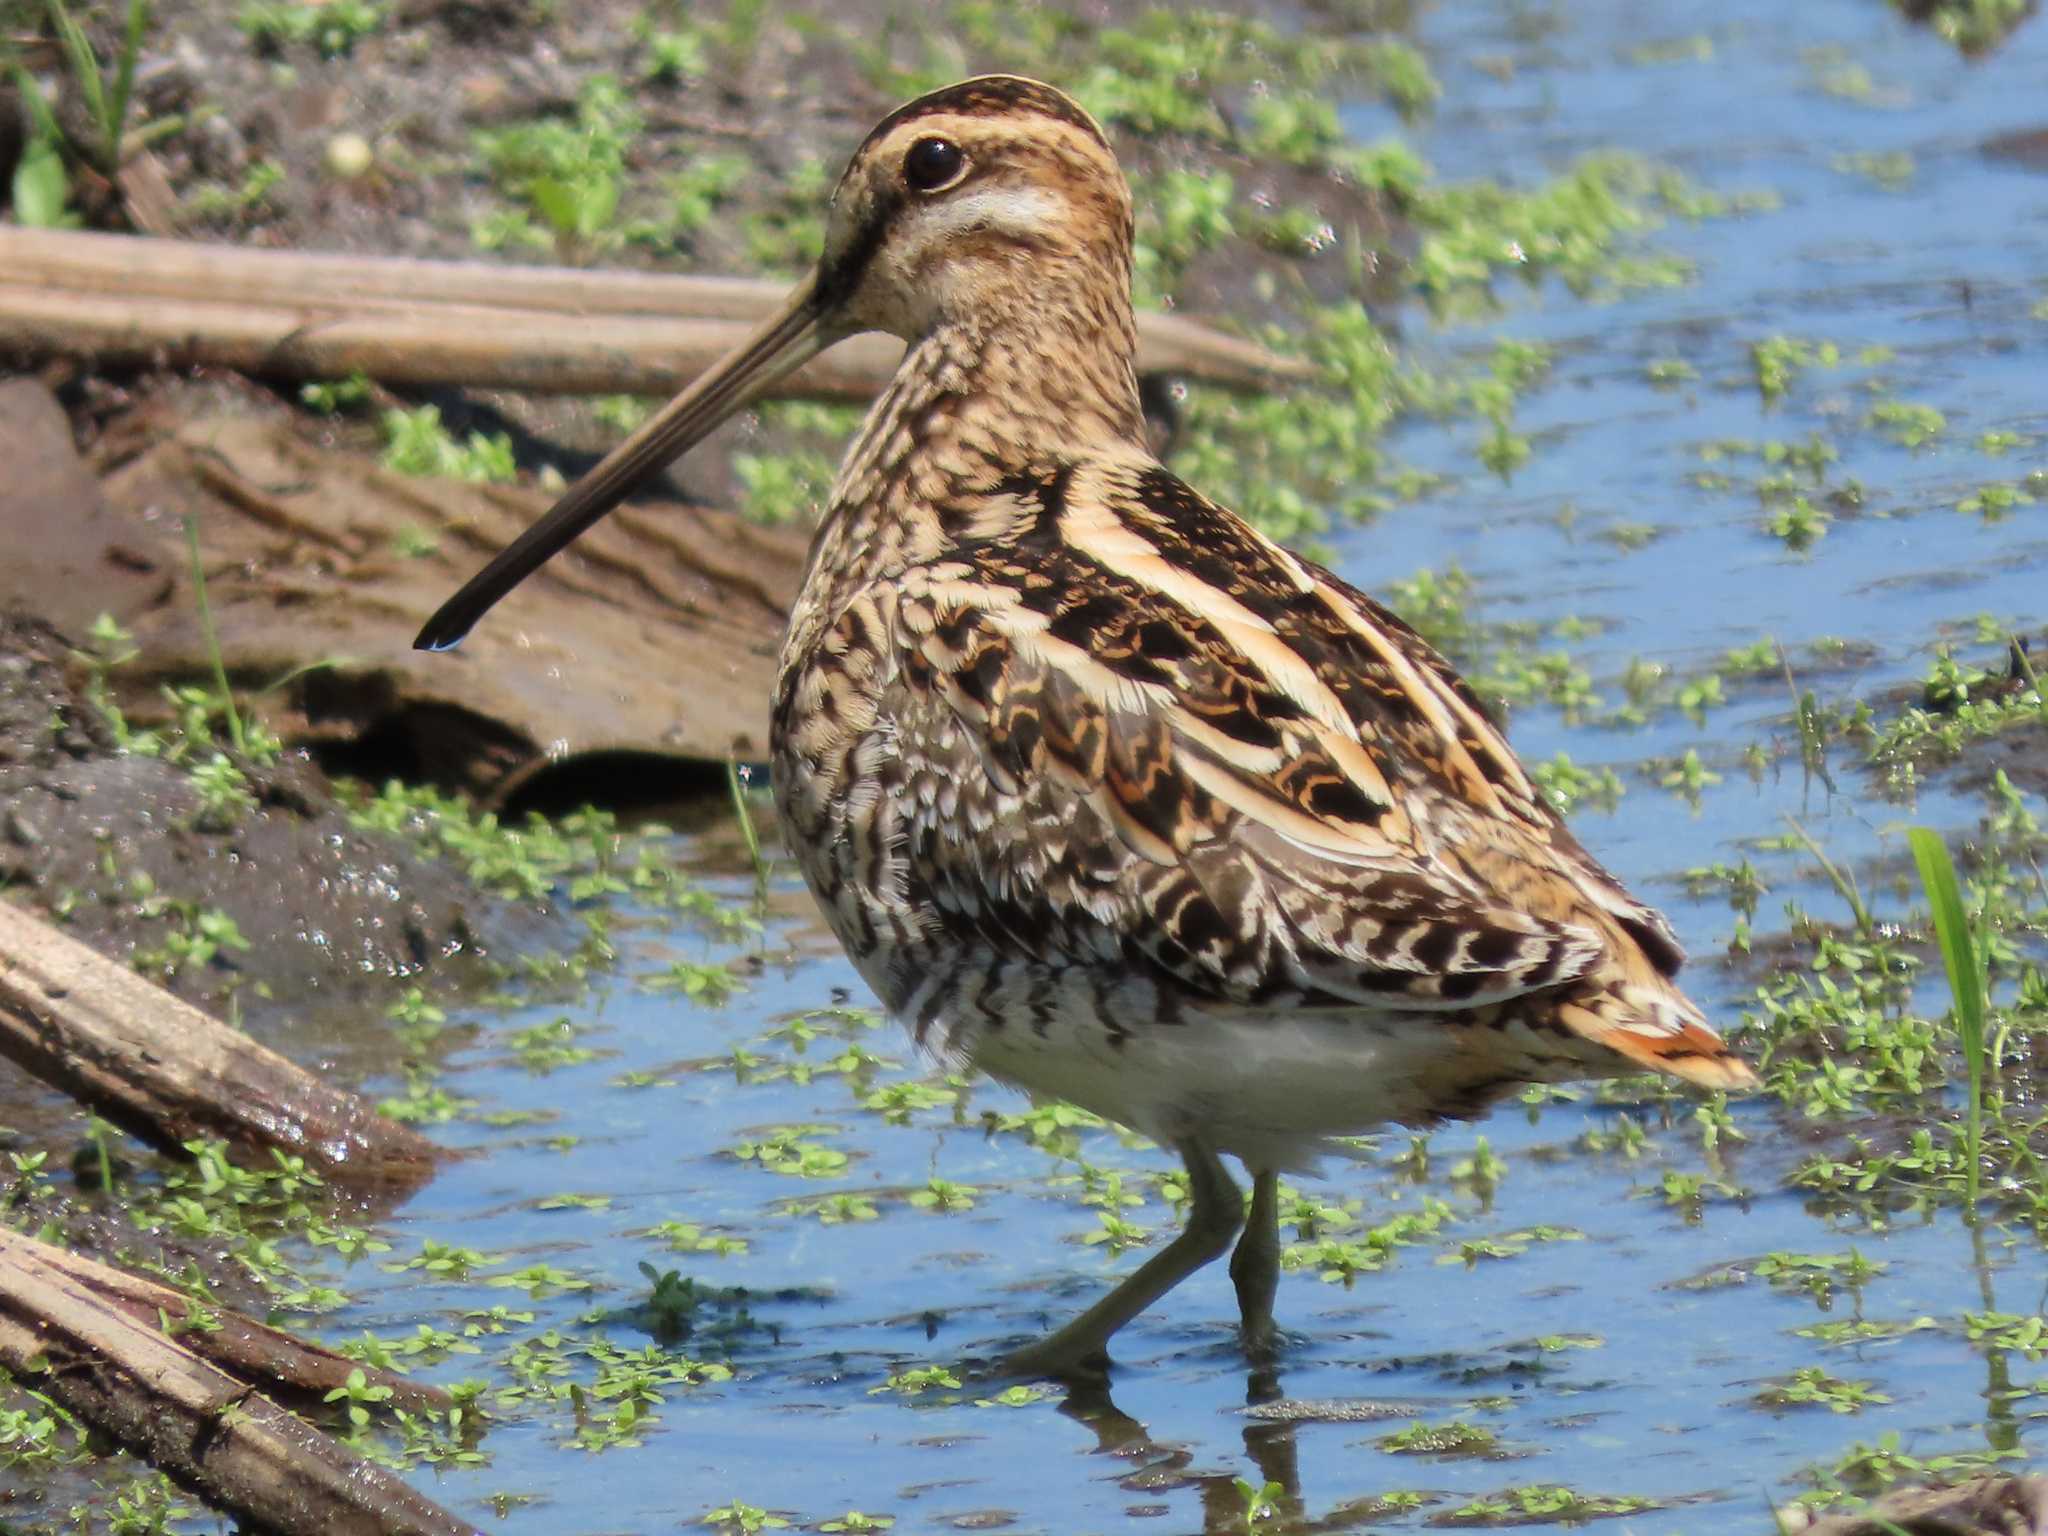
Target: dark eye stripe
840	279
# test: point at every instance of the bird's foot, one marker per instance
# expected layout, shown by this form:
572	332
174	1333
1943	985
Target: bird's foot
1053	1359
1261	1341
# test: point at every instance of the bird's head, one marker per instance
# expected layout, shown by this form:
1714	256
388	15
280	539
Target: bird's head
987	195
994	201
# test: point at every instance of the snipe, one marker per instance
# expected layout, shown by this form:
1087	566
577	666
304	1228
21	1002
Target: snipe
1105	793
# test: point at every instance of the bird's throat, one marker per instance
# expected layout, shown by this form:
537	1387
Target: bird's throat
973	407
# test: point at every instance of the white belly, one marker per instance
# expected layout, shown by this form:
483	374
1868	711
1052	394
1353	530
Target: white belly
1272	1090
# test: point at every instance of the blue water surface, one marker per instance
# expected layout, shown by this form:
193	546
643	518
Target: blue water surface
1594	1358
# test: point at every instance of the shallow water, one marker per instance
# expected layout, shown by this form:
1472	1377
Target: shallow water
1642	1384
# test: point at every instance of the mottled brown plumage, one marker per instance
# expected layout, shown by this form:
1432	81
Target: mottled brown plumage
1104	792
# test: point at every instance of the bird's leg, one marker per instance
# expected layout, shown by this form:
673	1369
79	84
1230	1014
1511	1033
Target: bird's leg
1217	1211
1255	1267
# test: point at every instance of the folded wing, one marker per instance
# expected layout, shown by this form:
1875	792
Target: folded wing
1262	781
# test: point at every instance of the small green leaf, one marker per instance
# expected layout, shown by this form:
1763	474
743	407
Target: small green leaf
41	189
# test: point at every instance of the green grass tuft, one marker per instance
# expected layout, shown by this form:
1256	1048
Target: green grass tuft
1965	979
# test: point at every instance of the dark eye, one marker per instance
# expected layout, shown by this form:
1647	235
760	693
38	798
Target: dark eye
933	164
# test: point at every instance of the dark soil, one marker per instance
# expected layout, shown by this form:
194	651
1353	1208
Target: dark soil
2021	752
122	847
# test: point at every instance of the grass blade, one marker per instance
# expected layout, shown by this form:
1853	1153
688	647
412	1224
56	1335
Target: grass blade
212	636
736	780
1965	976
124	77
41	114
82	61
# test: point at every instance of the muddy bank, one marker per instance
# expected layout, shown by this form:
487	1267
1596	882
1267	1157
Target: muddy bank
263	905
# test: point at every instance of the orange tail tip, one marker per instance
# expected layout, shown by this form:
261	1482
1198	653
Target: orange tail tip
1693	1052
1660	1029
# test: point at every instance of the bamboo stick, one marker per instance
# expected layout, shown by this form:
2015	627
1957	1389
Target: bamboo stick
479	346
266	1357
306	315
210	1430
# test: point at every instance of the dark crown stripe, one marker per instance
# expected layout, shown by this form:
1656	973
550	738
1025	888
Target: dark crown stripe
988	96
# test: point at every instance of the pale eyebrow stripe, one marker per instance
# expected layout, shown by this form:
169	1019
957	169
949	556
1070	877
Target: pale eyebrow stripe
1017	208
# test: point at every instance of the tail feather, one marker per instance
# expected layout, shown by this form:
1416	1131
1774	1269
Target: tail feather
1654	1024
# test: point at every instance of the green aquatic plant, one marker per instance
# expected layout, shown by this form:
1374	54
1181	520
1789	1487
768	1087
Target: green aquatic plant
918	1380
1960	703
196	937
737	777
1971	26
359	1396
833	1210
1508	1245
778	488
1995	500
1341	1260
1777	362
1575	227
1567	785
147	1506
944	1195
1810	1386
1906	423
1867	1469
1892	169
442	1261
1263	1504
539	1281
2021	1334
1799	523
744	1518
787	1150
695	195
1548	1502
1455	1438
671	54
1181	213
671	1304
41	187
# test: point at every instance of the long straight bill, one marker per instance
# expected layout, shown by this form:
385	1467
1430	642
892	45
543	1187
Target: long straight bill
784	342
